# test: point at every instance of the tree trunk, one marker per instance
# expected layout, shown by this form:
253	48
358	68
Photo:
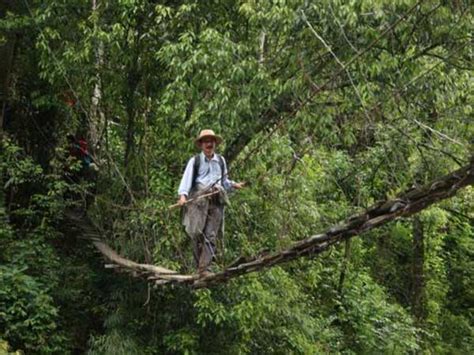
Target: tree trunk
130	135
345	262
7	51
283	105
97	116
418	300
133	79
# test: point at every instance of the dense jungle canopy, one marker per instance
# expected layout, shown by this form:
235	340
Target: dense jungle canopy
345	118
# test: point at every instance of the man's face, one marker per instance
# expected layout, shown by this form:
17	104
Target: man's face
208	145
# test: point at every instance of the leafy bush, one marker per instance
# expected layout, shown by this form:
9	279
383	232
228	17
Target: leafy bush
28	316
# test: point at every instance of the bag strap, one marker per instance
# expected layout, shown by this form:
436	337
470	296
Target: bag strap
221	163
197	163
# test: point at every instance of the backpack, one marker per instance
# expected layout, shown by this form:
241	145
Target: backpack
197	163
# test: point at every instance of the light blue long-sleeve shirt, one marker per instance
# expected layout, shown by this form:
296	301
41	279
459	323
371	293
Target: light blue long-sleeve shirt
209	174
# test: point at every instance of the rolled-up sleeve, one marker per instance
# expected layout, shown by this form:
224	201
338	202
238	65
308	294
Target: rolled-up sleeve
227	183
187	179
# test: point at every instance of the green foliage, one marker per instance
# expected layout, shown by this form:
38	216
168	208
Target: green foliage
5	348
35	306
373	323
145	77
28	313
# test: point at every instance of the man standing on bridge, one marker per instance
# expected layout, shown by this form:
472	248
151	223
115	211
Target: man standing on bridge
203	192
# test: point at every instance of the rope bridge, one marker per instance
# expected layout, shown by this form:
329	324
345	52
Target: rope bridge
406	204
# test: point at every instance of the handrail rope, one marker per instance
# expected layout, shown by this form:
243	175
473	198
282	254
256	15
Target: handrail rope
314	93
401	92
78	101
344	68
319	89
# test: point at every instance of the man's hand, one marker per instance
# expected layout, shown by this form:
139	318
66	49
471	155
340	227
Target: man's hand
238	185
182	200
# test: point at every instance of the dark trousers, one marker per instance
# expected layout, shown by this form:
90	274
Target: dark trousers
204	244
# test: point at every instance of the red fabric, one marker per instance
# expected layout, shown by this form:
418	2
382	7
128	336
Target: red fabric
83	147
79	149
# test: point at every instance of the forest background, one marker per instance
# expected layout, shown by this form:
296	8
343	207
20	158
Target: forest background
326	108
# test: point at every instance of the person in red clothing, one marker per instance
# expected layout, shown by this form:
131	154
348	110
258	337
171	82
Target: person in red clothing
78	149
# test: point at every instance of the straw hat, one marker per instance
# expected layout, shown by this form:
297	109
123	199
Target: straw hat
208	133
